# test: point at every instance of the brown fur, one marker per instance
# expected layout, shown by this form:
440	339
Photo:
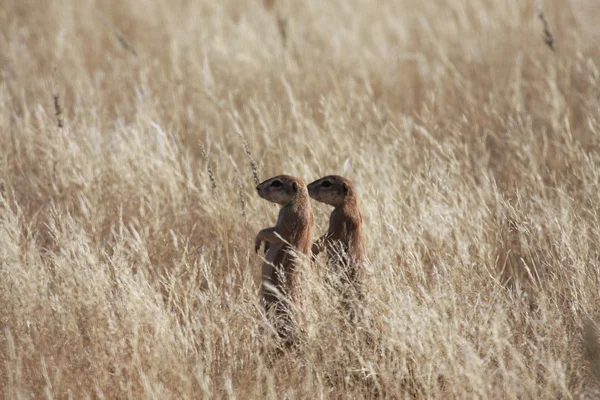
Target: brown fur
344	240
292	233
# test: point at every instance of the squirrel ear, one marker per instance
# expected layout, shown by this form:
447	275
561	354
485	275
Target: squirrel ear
345	187
295	186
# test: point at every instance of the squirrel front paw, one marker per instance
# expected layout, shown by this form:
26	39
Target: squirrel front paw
257	243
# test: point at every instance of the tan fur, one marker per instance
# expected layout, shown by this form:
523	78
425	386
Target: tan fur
292	232
344	240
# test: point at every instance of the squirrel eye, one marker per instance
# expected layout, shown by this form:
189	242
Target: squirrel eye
276	184
326	184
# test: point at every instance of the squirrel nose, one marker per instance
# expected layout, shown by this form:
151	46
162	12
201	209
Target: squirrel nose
257	187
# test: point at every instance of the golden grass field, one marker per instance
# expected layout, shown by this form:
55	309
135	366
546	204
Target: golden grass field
132	136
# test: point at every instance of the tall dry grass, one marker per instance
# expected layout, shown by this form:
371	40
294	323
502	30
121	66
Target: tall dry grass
132	134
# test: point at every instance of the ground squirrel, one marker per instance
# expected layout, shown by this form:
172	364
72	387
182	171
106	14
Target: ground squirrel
344	239
292	233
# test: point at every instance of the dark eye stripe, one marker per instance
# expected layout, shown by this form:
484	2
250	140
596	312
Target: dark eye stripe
276	184
326	184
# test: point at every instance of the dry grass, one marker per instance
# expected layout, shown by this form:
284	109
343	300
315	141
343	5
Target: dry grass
127	268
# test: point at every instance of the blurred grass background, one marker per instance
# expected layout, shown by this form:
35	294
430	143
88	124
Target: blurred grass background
126	271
